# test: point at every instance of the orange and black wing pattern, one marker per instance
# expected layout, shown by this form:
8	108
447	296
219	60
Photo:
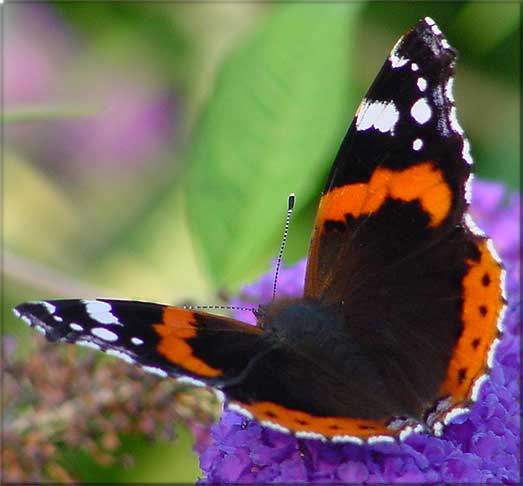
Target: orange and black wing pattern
403	294
393	247
165	340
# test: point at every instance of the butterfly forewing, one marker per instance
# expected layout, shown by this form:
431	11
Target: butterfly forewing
164	339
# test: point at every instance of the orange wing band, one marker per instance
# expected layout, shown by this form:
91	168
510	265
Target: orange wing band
297	421
179	325
482	304
423	182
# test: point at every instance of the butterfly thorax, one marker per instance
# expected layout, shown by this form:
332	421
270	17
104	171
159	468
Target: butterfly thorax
314	331
301	323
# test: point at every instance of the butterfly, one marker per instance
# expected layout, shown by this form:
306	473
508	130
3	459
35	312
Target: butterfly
403	298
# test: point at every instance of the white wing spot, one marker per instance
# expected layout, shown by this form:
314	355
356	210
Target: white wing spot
414	67
492	352
100	312
421	111
417	144
123	356
380	115
49	307
465	152
492	249
395	60
468	188
219	395
454	121
277	427
422	84
443	405
397	423
472	226
504	296
436	29
40	329
456	412
242	411
136	341
347	438
310	435
477	387
87	344
380	438
76	327
155	371
187	380
104	334
449	90
429	21
406	432
58	319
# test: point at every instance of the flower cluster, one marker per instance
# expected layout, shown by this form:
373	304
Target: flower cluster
480	447
60	395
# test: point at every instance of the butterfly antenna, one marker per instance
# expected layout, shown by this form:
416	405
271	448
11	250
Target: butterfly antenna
290	208
217	307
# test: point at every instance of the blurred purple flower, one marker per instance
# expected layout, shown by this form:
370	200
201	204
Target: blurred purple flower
132	122
36	48
126	113
480	447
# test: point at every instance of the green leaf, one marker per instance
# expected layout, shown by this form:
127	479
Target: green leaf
281	106
495	22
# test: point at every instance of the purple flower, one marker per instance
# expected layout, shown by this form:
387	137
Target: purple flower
37	46
131	124
116	116
480	447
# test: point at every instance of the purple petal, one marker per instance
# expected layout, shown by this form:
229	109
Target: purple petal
352	472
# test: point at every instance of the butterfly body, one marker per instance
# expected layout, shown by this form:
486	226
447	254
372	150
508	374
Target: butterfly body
349	356
403	297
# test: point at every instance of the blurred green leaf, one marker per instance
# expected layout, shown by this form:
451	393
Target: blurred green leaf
161	34
280	108
475	21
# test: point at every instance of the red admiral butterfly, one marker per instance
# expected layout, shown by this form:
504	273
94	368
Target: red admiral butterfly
403	295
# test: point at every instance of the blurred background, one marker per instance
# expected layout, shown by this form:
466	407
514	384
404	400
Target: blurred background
148	153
